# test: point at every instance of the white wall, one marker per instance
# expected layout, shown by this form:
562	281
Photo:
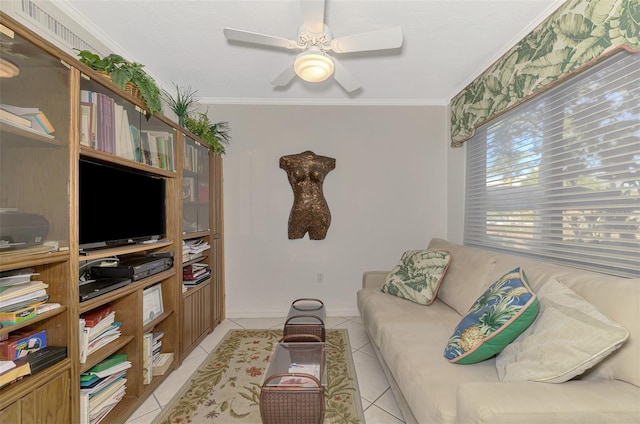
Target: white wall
388	193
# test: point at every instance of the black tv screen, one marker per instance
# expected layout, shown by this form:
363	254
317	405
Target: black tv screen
119	206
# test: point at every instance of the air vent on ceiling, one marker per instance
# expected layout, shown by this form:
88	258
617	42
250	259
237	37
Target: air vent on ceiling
52	23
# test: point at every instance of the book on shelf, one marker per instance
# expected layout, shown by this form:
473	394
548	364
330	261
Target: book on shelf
158	149
6	366
90	99
35	298
39	121
104	338
16	276
93	317
99	329
203	192
86	123
95	385
195	274
35	116
162	363
188	189
16	119
199	280
15	291
135	141
111	365
14	302
46	307
147	358
97	402
14	374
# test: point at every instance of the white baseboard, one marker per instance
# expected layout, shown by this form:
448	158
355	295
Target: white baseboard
283	314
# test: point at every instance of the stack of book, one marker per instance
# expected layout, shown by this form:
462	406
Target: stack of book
97	328
194	249
151	347
102	387
10	372
19	296
29	118
194	274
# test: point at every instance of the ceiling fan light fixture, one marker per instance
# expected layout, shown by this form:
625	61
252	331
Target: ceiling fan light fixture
313	66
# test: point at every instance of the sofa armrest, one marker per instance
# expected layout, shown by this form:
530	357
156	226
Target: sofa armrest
373	279
580	401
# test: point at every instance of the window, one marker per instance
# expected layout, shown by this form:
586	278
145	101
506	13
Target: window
558	177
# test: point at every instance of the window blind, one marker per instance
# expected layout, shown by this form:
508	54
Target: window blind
558	177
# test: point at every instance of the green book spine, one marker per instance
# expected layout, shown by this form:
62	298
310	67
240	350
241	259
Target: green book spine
109	362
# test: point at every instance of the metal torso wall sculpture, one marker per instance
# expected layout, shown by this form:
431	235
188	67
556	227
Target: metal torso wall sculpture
310	211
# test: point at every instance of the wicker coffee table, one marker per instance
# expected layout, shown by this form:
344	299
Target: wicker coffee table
293	388
306	317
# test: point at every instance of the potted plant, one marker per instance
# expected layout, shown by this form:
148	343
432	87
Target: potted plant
183	104
122	72
215	135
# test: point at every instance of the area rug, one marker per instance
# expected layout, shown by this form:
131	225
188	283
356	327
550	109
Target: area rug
226	387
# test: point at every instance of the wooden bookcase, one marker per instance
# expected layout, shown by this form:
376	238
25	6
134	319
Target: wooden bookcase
39	175
201	223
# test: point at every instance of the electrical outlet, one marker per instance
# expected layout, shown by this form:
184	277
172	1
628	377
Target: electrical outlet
319	277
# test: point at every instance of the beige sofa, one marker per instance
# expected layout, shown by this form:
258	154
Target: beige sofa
409	340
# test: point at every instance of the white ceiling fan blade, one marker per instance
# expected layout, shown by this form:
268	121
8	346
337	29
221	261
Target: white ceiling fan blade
389	38
345	78
313	15
285	77
257	38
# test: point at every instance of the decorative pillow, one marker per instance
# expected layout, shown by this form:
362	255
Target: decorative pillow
569	337
503	311
418	275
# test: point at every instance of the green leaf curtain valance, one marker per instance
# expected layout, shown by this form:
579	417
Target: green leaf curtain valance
577	34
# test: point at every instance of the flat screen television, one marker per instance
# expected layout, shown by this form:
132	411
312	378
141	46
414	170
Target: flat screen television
118	206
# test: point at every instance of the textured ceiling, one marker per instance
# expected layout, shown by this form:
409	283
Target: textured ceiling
447	44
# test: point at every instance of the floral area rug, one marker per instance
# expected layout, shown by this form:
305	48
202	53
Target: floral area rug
226	387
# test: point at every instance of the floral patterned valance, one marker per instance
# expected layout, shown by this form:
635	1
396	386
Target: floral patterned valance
577	34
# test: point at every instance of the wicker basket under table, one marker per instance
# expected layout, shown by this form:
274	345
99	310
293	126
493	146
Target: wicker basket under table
299	402
306	316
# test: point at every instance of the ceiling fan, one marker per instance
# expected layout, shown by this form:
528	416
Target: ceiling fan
313	63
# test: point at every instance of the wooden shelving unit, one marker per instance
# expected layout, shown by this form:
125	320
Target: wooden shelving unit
39	174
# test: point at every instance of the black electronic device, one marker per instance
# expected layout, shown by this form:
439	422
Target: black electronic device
20	229
119	206
160	255
43	358
135	268
95	288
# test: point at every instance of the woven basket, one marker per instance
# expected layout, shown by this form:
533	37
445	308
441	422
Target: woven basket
129	88
312	324
292	405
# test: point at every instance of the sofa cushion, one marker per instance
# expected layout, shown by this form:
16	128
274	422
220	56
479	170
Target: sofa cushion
418	275
413	354
496	318
468	275
569	336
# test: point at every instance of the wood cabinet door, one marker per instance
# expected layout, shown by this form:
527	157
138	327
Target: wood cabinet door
48	404
11	414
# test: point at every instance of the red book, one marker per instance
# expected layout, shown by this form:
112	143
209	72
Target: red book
94	316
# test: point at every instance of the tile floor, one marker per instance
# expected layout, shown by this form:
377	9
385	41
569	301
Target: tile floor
378	403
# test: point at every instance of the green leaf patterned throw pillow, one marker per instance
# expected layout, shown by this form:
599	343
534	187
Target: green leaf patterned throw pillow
499	315
418	275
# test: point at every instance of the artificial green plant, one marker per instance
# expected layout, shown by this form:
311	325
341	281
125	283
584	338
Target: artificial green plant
122	72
